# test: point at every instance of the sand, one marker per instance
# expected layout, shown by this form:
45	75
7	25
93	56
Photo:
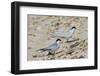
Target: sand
40	29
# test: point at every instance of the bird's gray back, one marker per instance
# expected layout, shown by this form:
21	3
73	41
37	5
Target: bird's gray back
53	47
66	34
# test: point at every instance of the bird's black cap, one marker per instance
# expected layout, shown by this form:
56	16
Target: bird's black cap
58	40
73	27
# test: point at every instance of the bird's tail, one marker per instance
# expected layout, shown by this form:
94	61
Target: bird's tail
52	35
41	49
44	49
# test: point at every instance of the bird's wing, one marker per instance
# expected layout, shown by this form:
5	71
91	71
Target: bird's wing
57	33
49	48
60	34
63	34
52	46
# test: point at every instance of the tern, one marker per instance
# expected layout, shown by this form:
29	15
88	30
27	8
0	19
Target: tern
67	34
53	47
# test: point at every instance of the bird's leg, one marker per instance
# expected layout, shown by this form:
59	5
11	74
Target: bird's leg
72	39
50	53
68	40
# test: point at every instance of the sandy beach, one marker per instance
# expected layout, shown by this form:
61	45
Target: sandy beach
39	33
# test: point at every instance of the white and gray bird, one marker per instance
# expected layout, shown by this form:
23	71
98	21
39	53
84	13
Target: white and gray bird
67	34
53	47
